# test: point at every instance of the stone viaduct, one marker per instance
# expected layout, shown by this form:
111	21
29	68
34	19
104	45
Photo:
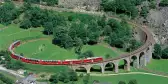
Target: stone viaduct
138	58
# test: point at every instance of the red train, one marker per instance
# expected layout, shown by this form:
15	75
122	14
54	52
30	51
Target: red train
51	62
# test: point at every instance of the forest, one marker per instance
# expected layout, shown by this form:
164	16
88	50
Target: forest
71	30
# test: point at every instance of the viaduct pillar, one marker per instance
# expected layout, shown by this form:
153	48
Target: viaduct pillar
128	64
143	60
149	54
116	66
137	63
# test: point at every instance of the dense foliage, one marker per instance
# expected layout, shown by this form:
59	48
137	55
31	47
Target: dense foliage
8	13
47	2
74	30
130	82
144	11
122	6
86	54
159	52
8	63
128	7
163	3
5	80
65	77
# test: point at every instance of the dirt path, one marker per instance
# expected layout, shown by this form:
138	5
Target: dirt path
128	74
11	72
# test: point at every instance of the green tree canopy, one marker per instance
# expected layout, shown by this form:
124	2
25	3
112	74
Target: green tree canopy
165	53
133	81
157	51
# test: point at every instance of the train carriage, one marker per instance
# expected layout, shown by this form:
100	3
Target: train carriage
87	61
76	61
66	62
98	59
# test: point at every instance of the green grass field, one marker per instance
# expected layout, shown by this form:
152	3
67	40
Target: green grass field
50	52
13	32
53	52
141	79
158	65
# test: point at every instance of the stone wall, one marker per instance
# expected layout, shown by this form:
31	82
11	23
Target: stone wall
81	4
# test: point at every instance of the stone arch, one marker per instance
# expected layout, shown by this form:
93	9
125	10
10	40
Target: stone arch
142	59
81	69
133	61
147	49
124	64
109	66
96	68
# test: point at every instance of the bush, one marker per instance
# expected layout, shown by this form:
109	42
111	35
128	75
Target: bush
9	12
121	82
157	51
133	81
5	79
152	5
163	3
25	24
165	53
54	78
86	54
51	2
81	75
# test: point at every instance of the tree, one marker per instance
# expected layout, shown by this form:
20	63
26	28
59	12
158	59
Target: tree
63	76
25	24
157	51
86	79
35	16
81	75
133	44
93	32
1	82
153	5
107	30
54	78
61	37
133	81
72	75
114	24
51	2
26	6
78	43
127	7
121	82
17	65
163	3
48	27
114	40
165	53
6	55
32	1
5	79
9	12
107	56
86	54
144	11
102	21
